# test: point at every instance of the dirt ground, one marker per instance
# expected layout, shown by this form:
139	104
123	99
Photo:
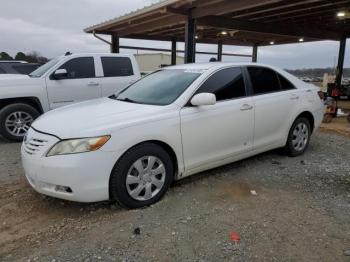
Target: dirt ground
339	125
300	212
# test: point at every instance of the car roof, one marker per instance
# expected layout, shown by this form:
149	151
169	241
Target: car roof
13	62
91	54
215	65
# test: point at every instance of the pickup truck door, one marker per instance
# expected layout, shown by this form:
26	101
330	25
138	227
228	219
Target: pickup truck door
80	83
117	72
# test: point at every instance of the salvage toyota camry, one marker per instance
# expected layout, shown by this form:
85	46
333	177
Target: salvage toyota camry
173	123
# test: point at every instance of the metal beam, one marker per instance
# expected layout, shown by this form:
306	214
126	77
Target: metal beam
178	51
219	51
173	51
340	66
190	40
255	53
236	24
115	44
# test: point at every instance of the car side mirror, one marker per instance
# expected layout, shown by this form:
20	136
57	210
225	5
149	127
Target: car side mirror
60	73
203	99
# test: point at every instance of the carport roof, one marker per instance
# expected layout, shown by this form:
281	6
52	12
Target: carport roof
239	22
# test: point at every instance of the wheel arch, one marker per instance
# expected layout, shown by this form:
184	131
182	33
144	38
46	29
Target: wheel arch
309	116
32	101
164	145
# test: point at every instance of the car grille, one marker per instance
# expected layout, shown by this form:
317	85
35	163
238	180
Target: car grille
34	145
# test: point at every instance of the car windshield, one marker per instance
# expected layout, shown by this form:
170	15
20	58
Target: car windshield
160	88
44	68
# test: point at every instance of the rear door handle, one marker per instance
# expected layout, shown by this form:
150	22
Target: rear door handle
93	84
246	107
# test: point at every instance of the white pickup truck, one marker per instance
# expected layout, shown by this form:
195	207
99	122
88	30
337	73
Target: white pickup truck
62	81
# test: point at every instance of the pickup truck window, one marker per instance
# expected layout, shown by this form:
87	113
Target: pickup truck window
116	66
80	67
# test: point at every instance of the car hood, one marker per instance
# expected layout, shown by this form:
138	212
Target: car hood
95	117
16	80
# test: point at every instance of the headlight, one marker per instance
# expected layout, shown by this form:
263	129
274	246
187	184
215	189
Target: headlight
79	145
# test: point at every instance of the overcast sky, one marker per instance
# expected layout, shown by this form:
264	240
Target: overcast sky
54	27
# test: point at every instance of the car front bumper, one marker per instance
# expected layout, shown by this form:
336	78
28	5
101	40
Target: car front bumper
77	177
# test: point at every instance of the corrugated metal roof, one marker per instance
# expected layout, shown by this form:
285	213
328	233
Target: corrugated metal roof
158	5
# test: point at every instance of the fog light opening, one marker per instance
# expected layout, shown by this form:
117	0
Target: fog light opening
64	189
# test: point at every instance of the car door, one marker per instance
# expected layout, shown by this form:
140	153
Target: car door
80	83
221	131
275	100
118	73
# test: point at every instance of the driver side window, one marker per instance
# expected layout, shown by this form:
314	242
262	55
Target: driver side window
80	67
226	84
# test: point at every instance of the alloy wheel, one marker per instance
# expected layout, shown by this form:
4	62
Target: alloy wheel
18	123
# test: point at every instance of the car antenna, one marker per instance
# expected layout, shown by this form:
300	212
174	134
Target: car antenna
68	53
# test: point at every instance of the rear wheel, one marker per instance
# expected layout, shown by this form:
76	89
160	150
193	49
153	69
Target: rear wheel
298	137
141	176
15	120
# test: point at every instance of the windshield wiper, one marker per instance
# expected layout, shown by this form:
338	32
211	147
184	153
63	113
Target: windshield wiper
128	100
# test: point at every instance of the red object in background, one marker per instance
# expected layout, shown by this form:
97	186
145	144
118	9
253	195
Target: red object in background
235	237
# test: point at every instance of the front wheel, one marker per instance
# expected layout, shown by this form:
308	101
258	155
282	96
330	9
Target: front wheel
298	137
15	120
142	176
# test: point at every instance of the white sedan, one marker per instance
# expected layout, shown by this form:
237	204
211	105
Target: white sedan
173	123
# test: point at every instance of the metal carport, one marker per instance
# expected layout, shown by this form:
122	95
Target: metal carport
225	22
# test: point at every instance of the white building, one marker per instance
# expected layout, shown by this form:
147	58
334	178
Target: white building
152	62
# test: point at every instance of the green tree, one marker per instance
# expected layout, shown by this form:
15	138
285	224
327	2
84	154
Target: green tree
21	56
5	56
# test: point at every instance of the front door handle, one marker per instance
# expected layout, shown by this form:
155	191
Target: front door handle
246	107
93	84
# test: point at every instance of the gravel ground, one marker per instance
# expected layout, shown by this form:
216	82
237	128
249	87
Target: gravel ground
300	212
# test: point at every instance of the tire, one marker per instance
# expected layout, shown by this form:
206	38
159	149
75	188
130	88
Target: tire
129	186
293	147
9	117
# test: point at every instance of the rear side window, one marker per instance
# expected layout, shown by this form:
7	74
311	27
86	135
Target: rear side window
285	84
225	84
80	67
116	66
25	69
264	80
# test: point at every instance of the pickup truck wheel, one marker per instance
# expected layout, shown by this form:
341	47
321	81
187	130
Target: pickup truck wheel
141	176
15	120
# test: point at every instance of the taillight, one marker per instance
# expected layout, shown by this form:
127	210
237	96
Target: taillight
321	95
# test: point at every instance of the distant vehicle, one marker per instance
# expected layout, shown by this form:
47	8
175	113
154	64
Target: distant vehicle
62	81
172	123
306	79
17	67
